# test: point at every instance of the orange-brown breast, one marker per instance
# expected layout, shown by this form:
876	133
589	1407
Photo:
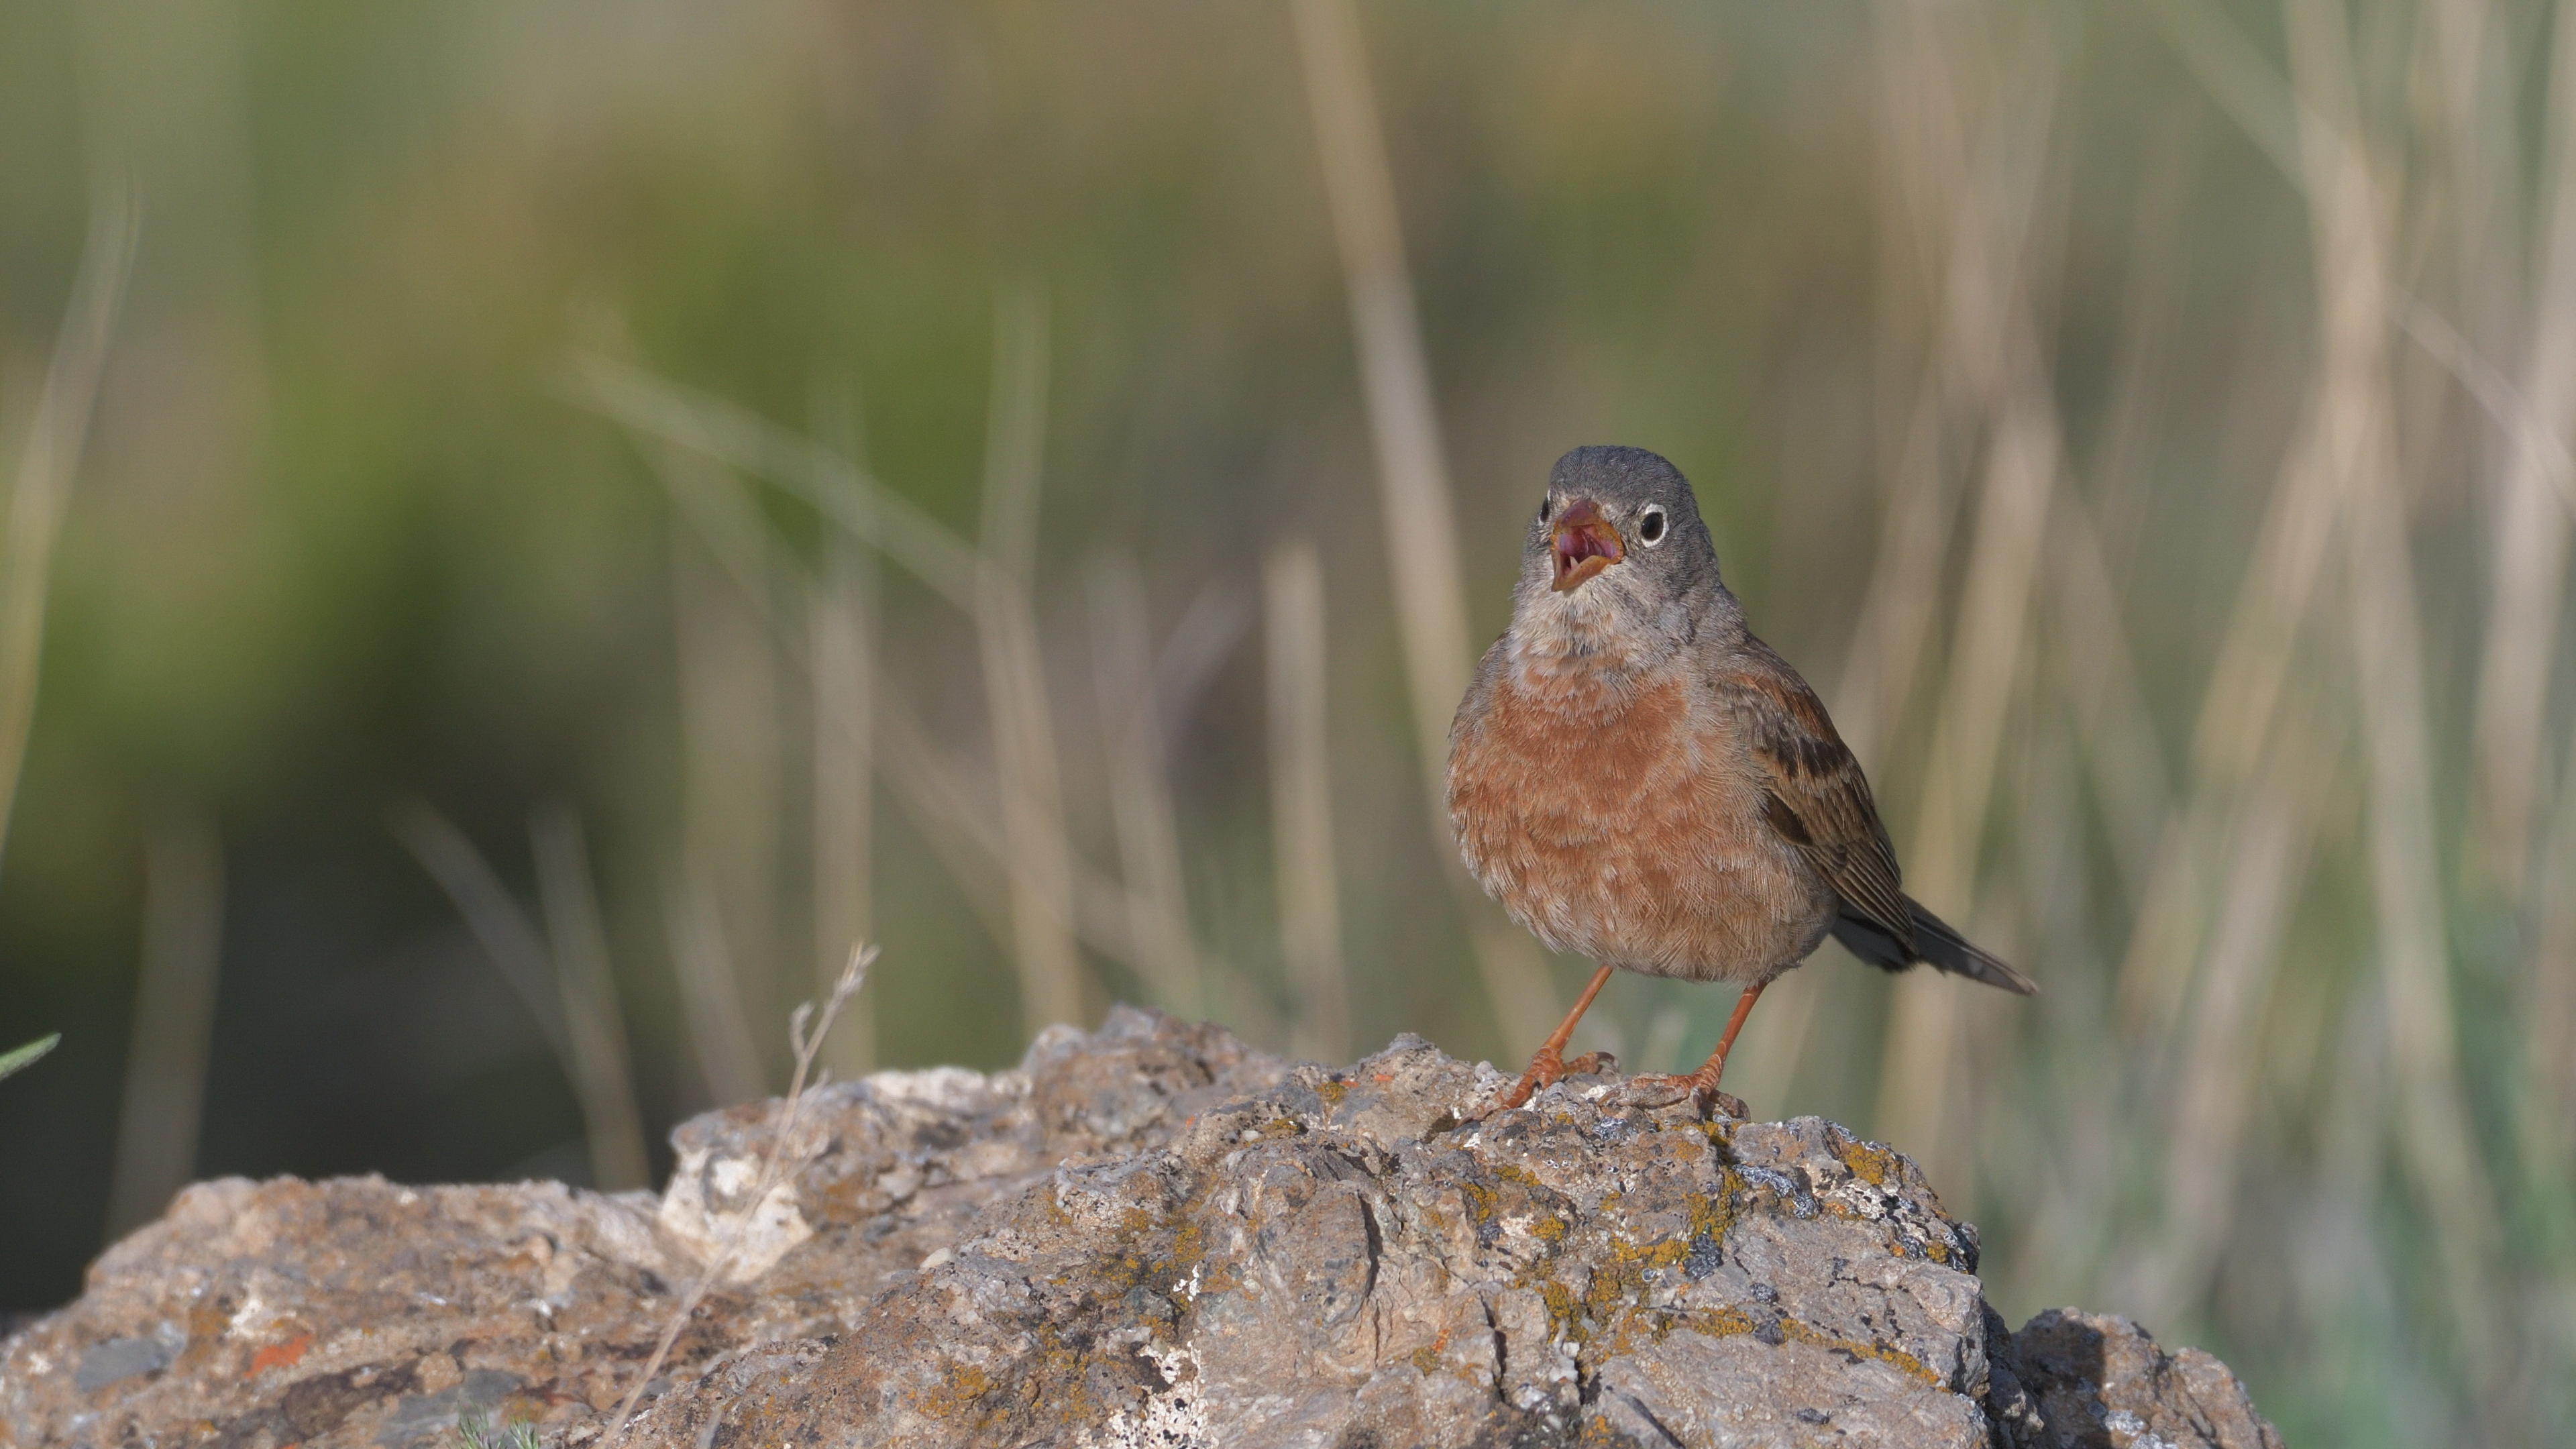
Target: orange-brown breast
1614	815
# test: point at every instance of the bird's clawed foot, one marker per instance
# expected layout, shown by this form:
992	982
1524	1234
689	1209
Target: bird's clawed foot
1545	1070
1655	1089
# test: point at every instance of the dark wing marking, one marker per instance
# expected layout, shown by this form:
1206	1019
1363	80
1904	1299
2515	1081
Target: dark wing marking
1816	796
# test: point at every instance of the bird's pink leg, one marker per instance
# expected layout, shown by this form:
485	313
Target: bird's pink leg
1550	1064
1701	1085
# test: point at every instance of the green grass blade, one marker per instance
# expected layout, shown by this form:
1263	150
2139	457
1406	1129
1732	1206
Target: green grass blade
25	1056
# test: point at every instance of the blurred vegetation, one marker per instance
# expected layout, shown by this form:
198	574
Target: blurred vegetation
2147	425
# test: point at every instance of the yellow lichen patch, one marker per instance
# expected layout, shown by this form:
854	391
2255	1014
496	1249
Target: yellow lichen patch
1332	1090
1879	1351
1564	1310
1717	1322
1872	1163
961	1388
1549	1230
1189	1245
1481	1202
1615	1285
1712	1213
1640	1326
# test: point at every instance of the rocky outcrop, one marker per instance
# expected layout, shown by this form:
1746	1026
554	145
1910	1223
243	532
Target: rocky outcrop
1149	1235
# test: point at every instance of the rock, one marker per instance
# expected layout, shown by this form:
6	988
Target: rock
1146	1236
2096	1379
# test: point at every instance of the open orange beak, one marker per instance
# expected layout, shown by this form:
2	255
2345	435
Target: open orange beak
1585	544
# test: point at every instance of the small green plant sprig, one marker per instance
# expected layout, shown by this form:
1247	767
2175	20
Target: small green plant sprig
475	1430
20	1058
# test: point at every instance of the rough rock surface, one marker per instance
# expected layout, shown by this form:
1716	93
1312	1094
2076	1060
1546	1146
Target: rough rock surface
1150	1235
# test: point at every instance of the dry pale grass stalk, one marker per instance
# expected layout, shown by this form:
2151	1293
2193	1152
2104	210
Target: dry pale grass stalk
1140	794
2012	521
2099	678
2528	580
1926	194
1301	813
2216	1086
961	831
565	985
849	496
1413	476
494	919
841	660
46	467
1970	225
1015	432
174	1019
2279	586
788	1150
721	515
2473	56
1985	657
1035	850
2353	411
728	1057
678	431
732	759
2549	1059
594	1024
841	605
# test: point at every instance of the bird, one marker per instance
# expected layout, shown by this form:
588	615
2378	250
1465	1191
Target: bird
1642	782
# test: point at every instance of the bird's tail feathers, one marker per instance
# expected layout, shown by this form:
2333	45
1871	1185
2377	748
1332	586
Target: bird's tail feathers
1934	942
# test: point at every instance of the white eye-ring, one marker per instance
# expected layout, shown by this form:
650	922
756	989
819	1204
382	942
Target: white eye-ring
1650	526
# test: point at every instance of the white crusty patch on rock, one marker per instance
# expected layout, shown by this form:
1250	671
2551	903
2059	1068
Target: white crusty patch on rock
945	1089
1171	1419
758	1239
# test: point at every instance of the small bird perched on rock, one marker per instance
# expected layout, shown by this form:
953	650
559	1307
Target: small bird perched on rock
1642	782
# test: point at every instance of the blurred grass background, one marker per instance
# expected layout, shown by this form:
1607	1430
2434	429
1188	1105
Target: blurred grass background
588	508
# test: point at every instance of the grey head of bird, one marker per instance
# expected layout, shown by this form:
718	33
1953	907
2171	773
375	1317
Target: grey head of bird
1617	562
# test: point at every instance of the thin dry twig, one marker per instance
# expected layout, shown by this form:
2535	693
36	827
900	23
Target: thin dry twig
728	647
841	606
1301	812
1051	891
1140	794
1413	476
594	1023
785	1151
498	925
841	657
2532	528
2549	1062
564	983
1035	852
2386	639
174	1018
731	434
46	468
930	788
728	1057
1986	657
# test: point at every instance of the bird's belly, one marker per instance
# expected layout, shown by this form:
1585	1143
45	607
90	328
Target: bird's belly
1632	836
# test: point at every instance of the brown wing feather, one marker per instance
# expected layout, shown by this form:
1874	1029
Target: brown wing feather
1816	796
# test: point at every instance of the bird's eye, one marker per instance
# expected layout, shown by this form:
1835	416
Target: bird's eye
1650	526
1546	506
